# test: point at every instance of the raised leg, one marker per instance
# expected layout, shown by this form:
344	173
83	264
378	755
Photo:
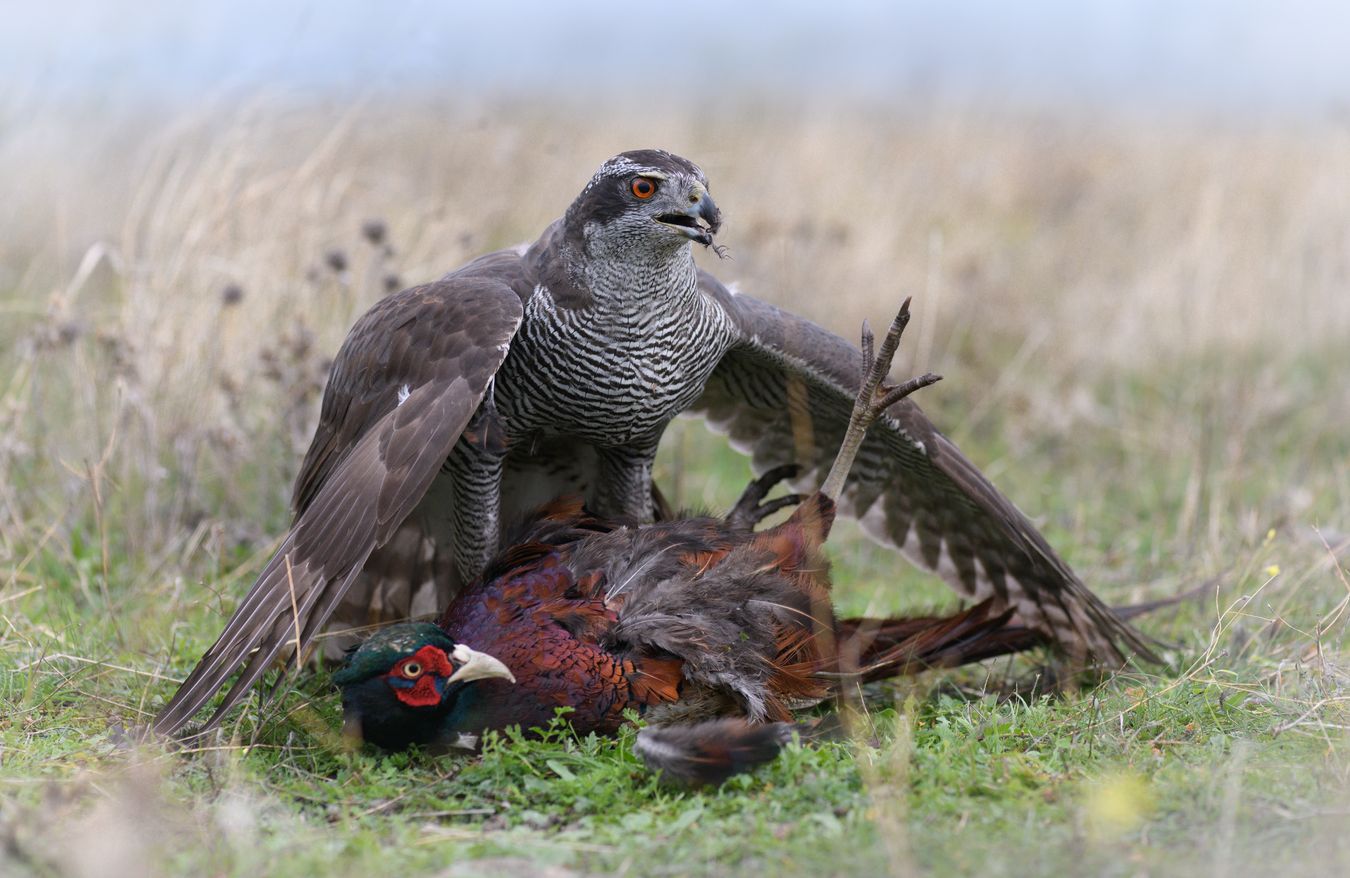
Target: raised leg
874	397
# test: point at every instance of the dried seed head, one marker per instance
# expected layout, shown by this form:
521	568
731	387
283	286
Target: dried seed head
336	259
299	342
374	230
68	331
231	295
120	353
271	365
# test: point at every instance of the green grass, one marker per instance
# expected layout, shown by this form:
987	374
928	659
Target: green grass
1234	748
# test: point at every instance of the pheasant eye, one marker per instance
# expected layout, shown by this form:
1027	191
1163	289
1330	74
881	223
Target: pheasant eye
644	187
412	670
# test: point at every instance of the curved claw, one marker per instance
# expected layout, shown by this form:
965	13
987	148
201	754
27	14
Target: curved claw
769	507
752	508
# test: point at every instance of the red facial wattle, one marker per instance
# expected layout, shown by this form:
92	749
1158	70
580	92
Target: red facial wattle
417	680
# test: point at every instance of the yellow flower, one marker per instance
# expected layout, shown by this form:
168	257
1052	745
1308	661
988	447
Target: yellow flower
1118	804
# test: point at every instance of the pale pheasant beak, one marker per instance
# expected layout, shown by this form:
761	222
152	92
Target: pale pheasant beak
475	665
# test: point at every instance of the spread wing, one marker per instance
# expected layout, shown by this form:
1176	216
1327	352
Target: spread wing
784	393
404	385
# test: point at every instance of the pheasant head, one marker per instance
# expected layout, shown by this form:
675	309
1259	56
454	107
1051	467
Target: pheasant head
403	684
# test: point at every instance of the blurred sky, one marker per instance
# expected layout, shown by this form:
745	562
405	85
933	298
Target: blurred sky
1220	54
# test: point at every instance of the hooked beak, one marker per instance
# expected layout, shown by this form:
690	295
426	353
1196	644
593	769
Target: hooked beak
475	665
700	221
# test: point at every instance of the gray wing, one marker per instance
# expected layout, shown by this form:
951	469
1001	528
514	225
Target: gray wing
404	385
783	394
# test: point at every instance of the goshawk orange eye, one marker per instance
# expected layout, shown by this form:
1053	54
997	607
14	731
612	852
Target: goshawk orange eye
412	670
644	187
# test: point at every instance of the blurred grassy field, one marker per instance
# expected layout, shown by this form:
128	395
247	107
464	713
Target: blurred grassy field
1145	328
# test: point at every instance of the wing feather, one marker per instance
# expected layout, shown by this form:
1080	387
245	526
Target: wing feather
783	395
404	386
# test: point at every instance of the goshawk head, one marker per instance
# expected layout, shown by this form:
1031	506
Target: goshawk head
645	198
